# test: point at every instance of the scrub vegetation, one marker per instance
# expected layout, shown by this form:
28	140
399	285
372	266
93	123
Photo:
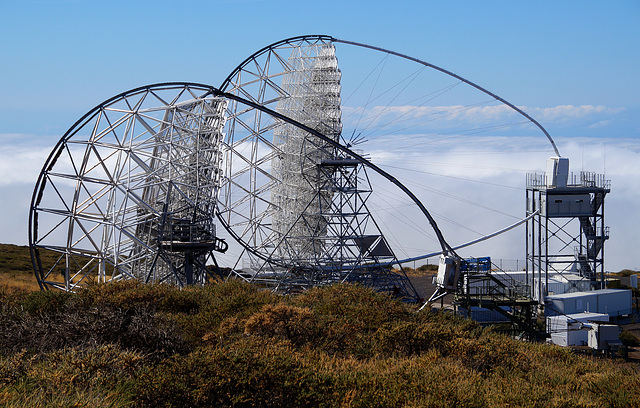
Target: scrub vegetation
232	345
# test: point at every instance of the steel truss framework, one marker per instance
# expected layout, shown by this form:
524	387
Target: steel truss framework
568	233
348	248
260	200
309	224
246	195
131	189
128	192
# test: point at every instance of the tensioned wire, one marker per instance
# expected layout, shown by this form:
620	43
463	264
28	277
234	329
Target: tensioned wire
400	86
403	84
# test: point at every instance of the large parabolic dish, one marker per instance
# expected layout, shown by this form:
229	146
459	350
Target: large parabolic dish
280	198
299	154
129	190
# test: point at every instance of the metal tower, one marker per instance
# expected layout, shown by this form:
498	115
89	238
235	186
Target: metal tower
566	234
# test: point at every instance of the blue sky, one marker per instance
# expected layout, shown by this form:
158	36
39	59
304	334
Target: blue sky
62	58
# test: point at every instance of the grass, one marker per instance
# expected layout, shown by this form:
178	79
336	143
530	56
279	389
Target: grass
132	345
16	269
422	270
128	344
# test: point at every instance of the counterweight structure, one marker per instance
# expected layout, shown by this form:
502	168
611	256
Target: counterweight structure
183	183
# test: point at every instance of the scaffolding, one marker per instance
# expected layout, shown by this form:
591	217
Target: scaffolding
494	297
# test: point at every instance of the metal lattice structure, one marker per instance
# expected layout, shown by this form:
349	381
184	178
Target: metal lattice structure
129	190
133	189
313	86
310	224
568	234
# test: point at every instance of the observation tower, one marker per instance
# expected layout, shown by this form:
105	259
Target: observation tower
567	233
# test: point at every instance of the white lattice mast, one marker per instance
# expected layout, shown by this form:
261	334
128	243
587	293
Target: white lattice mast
313	84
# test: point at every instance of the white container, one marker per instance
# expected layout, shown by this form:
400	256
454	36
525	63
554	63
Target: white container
603	336
448	272
573	329
633	281
571	303
614	302
557	172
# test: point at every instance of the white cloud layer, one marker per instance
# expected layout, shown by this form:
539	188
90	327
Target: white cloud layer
21	164
570	112
472	187
464	116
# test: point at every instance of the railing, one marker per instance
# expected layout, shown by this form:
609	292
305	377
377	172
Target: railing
580	179
494	286
588	179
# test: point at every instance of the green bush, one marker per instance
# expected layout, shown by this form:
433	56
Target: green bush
281	321
249	374
234	345
629	339
44	302
427	268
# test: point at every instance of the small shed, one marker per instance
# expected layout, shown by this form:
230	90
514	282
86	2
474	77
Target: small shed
603	336
573	329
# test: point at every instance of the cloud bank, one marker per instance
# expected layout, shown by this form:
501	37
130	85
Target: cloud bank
473	186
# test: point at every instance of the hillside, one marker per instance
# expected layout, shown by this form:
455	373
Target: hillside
16	269
128	344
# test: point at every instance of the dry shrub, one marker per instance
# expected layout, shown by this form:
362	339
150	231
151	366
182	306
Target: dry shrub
334	346
282	321
74	325
406	339
491	352
629	339
124	294
426	381
97	377
347	315
360	307
249	374
219	302
44	302
616	388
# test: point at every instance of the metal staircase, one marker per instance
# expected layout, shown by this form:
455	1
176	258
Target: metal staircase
478	286
595	237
